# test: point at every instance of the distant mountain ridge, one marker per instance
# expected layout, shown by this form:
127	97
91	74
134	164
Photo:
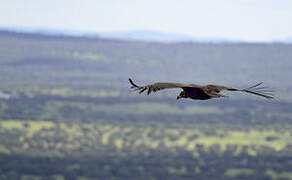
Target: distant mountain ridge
139	35
144	35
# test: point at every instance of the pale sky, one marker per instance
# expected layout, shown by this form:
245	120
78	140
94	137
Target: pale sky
249	20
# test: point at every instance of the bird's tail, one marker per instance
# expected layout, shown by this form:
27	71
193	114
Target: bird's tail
258	90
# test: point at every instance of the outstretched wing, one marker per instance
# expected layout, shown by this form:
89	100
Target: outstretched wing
156	86
256	89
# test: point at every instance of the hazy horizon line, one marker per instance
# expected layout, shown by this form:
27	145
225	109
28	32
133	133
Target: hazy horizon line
111	34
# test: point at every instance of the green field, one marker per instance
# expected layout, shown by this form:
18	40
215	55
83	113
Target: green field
135	143
116	138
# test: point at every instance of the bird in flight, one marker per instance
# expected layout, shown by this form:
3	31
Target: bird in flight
199	92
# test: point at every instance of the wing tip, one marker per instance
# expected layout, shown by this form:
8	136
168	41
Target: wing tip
258	90
132	83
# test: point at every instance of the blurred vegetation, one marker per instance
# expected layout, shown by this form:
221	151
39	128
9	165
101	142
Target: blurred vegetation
128	138
66	111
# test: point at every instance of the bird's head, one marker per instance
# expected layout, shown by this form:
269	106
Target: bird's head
182	95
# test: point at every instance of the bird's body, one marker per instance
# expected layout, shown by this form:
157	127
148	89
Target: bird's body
201	93
194	91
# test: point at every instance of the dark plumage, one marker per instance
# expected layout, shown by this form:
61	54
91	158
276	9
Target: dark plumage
195	91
